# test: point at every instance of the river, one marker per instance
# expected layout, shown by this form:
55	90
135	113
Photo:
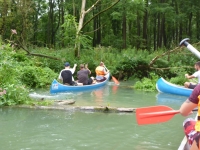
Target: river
33	129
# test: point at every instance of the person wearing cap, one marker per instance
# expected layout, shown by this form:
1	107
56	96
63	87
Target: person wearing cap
191	85
192	130
66	74
83	75
101	72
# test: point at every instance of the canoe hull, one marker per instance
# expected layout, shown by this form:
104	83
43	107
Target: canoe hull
57	87
165	87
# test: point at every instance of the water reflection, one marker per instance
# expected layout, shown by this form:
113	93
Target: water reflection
170	99
79	130
100	94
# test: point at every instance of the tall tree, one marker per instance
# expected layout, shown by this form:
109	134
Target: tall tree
81	24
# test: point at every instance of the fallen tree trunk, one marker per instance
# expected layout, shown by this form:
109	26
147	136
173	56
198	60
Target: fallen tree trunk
82	108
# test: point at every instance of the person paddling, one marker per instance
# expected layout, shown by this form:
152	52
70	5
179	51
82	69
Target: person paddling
101	72
66	75
83	74
191	127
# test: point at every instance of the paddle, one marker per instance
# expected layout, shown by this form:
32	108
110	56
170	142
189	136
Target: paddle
154	114
190	47
113	78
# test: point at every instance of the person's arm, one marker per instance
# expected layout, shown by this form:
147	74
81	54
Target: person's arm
187	107
105	70
73	69
60	77
86	67
189	76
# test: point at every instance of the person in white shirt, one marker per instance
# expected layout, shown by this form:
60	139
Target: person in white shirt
192	85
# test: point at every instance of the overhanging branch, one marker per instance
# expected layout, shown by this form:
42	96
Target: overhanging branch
99	14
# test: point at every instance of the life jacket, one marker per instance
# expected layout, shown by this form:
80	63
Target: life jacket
100	71
197	125
189	129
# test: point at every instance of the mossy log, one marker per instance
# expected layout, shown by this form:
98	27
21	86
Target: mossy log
83	108
64	102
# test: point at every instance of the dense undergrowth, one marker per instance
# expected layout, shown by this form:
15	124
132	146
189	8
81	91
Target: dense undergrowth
20	73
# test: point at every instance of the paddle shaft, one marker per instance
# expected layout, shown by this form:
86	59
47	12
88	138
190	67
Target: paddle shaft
155	114
190	47
113	78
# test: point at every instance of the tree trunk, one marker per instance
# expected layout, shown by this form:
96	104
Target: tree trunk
124	28
99	26
190	25
154	34
176	24
145	27
198	24
94	28
80	24
62	21
138	31
158	32
4	12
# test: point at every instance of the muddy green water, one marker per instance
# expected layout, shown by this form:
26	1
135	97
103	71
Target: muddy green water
35	129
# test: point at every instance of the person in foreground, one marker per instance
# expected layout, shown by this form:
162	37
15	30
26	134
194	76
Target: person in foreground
101	72
192	127
83	74
66	75
192	85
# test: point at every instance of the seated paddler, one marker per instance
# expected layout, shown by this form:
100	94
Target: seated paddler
101	72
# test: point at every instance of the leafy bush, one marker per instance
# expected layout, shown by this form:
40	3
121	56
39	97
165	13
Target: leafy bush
147	84
18	74
37	77
178	80
15	95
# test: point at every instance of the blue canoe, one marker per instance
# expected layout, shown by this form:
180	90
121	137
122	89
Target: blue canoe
166	87
57	87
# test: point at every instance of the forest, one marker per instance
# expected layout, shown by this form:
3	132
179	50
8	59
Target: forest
137	39
120	24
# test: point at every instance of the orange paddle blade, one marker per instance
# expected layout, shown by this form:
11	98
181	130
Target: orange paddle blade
154	114
115	80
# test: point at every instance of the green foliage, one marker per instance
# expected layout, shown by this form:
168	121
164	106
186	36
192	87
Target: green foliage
147	84
39	102
15	95
29	76
18	76
161	63
178	80
70	28
37	77
20	57
19	72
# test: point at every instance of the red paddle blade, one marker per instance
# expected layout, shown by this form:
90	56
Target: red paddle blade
115	80
154	114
